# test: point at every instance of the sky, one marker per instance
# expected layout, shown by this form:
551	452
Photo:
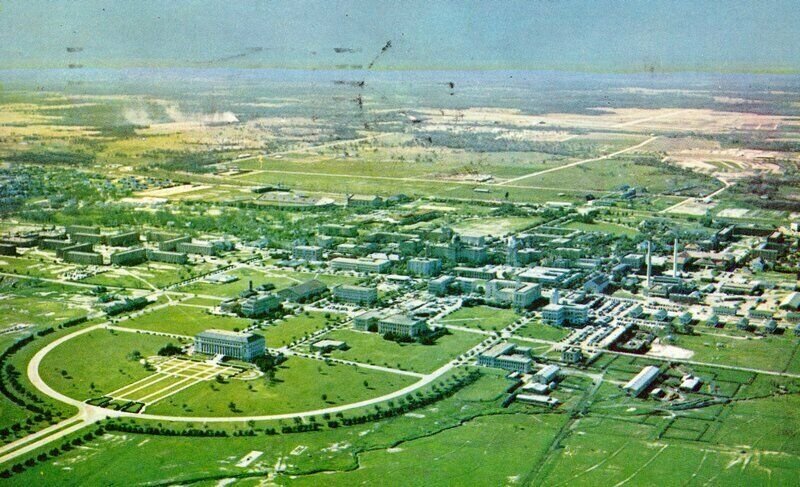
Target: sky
568	35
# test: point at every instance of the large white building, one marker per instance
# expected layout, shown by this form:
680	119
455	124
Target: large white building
242	346
402	325
360	265
520	295
507	356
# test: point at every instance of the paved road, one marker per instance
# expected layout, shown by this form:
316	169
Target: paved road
727	184
577	163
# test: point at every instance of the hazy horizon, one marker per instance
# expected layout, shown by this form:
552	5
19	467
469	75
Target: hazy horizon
572	36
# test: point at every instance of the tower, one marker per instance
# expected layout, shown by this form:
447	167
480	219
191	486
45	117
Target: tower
675	258
649	264
554	298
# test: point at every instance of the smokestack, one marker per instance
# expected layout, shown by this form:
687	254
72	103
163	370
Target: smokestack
675	258
649	264
251	284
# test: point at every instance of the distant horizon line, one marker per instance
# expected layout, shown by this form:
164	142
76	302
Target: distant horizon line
573	70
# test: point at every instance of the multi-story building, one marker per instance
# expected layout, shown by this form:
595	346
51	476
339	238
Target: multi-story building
170	244
196	247
259	305
129	257
367	321
565	314
424	267
360	265
441	285
242	346
84	258
360	295
507	356
164	256
123	239
519	295
307	252
402	325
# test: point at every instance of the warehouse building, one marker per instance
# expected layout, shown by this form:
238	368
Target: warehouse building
642	381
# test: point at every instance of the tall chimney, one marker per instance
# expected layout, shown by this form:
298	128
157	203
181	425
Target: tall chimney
675	258
649	264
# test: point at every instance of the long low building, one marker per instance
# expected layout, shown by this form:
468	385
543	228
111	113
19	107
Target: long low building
360	265
355	294
642	381
242	346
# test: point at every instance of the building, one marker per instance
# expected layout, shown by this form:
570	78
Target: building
539	399
519	295
304	291
8	249
242	346
360	265
441	285
548	374
73	247
325	346
402	325
507	356
360	295
307	252
597	283
572	355
424	267
561	314
791	301
171	244
196	247
642	380
364	200
169	257
126	239
550	276
84	258
129	257
259	305
367	321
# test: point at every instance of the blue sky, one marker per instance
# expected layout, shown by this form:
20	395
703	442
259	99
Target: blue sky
589	35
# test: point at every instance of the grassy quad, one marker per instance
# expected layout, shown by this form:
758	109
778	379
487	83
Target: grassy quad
371	348
184	320
294	327
481	317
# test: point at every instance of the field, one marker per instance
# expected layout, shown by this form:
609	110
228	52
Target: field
299	384
183	320
371	348
99	362
289	329
481	317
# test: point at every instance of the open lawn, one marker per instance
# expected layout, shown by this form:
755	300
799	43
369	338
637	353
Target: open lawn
299	384
293	327
771	353
371	348
481	317
98	362
184	320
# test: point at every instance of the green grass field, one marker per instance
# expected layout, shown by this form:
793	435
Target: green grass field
371	348
299	384
294	327
481	317
98	362
184	320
